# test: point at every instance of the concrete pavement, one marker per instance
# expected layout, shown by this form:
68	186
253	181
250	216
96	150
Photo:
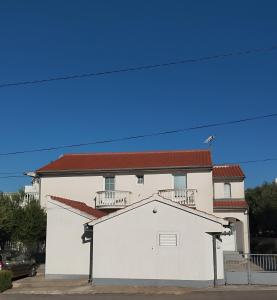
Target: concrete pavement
40	286
201	295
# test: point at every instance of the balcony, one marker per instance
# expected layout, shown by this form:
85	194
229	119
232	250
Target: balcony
28	196
112	199
184	196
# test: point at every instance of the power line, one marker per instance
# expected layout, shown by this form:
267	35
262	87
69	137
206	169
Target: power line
9	173
127	138
140	68
251	161
11	176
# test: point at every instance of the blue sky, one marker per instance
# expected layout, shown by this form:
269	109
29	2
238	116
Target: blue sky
41	39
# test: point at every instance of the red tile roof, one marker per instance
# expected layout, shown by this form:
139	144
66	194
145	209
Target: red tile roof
80	206
229	203
129	160
227	171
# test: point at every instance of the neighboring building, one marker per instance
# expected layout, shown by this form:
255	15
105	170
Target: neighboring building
32	191
107	182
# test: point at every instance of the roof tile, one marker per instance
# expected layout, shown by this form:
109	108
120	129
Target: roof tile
129	160
226	203
80	206
227	171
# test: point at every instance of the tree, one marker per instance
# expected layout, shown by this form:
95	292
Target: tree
33	230
20	221
9	216
262	201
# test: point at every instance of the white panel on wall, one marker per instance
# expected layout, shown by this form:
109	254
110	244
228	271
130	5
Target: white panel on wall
168	239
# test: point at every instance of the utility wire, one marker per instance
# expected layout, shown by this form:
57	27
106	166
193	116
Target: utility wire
250	161
9	173
143	67
12	176
127	138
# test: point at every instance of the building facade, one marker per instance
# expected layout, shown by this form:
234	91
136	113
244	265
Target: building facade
111	181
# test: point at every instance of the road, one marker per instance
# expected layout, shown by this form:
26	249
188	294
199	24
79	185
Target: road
219	295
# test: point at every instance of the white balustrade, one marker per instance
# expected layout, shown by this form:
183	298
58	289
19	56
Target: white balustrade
112	199
183	196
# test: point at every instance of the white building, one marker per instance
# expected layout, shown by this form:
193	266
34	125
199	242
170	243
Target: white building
112	183
32	191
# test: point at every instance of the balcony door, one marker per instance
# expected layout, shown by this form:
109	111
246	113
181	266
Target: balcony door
109	187
180	182
180	185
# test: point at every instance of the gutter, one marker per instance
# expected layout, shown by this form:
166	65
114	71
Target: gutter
119	170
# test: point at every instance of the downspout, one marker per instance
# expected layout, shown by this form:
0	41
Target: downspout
214	260
87	237
90	277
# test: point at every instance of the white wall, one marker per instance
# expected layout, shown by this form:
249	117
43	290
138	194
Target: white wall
242	230
84	188
203	183
237	189
126	247
65	253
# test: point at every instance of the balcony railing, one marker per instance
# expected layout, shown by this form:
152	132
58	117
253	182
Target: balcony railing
28	196
31	196
184	196
112	199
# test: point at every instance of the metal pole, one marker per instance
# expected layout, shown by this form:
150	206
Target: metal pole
248	259
215	260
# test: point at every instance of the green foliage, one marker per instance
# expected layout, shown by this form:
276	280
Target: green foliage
262	201
34	220
19	221
5	280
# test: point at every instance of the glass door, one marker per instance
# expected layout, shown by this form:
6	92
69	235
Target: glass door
180	185
109	187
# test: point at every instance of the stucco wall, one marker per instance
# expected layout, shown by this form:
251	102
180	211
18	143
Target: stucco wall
242	229
84	188
65	253
127	246
237	189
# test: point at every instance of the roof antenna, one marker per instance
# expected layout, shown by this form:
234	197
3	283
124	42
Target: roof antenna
209	140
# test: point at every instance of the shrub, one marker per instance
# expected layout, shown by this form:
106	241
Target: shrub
5	280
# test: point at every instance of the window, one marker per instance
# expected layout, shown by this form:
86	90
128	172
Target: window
227	190
109	184
180	182
168	239
140	179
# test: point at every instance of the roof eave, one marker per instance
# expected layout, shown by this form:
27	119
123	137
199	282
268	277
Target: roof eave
115	170
228	178
224	208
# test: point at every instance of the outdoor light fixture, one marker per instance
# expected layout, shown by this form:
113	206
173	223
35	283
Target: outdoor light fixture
155	210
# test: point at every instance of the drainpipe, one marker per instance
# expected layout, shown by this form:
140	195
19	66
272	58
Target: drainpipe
214	260
87	237
90	277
